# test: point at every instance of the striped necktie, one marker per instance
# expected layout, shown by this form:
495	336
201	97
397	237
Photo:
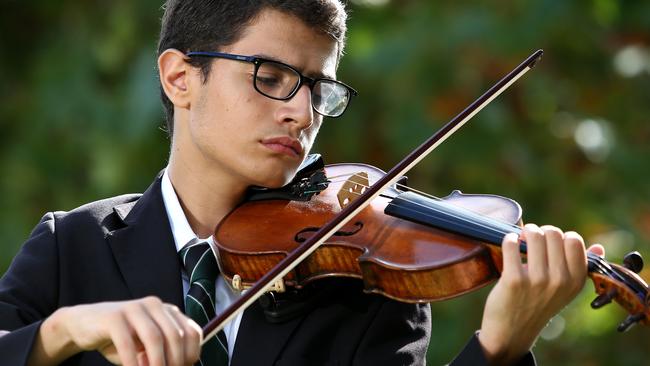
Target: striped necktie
202	270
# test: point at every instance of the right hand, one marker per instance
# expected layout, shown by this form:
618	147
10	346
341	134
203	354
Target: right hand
133	333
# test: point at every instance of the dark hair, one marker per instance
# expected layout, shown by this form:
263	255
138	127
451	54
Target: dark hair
208	25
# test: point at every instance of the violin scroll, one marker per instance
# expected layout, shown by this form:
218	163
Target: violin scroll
621	284
633	261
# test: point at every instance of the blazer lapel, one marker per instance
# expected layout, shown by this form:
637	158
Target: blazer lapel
145	249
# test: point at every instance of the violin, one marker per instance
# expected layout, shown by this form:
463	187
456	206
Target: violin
405	245
354	220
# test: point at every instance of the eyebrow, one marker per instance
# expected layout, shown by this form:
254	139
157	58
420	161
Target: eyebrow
317	75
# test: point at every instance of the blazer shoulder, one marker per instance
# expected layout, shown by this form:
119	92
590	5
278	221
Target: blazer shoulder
105	213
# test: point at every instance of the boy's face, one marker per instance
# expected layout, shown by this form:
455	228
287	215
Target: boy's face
237	131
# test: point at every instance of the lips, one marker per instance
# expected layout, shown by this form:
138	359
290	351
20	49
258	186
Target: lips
285	145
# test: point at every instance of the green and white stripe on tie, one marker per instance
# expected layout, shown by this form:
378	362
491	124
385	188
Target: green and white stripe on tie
201	268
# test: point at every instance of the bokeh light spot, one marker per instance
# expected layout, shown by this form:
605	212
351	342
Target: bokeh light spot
631	60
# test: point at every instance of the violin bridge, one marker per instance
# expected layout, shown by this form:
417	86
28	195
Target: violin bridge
277	286
353	188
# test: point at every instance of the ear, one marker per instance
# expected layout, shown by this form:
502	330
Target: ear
173	72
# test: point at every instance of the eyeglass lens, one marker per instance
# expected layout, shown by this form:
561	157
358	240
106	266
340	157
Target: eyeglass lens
330	98
278	81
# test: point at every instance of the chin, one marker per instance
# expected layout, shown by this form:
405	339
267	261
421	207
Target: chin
277	182
275	173
275	178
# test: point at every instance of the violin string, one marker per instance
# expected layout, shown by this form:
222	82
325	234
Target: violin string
486	227
601	264
515	228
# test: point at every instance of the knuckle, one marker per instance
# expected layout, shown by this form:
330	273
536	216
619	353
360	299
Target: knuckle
557	283
193	332
151	334
531	227
193	337
552	232
115	317
573	239
152	301
131	306
552	229
539	281
559	273
175	336
514	282
173	308
533	233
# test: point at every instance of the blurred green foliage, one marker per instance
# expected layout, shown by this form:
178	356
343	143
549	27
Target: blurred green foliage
81	120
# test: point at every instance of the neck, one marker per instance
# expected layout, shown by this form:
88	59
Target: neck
205	194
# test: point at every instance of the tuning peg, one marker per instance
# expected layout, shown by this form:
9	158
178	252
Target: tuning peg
633	261
602	300
630	321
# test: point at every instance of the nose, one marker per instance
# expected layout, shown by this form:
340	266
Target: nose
297	110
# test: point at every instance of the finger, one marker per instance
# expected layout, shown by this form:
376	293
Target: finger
537	257
556	255
597	249
142	359
148	332
511	256
122	337
193	335
172	332
576	256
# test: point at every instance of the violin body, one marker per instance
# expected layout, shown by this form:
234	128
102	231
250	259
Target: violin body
400	259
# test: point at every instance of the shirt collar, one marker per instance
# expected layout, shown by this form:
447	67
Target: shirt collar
181	229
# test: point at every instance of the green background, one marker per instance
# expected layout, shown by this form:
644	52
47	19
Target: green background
81	120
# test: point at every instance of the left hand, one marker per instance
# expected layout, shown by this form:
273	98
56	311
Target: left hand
528	295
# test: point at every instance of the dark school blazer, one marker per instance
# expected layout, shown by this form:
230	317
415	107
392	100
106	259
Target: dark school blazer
122	248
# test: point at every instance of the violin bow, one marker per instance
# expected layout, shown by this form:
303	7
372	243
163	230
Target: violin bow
289	262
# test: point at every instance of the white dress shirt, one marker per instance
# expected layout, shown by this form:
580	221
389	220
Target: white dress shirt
184	235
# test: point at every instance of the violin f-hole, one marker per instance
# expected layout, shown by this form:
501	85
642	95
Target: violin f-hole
299	238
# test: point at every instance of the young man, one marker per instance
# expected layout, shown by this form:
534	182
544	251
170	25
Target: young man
246	85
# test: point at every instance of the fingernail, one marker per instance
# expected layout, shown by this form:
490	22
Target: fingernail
511	237
531	226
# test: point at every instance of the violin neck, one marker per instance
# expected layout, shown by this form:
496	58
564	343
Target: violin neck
612	281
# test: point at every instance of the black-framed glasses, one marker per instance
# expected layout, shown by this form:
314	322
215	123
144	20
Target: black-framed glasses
280	81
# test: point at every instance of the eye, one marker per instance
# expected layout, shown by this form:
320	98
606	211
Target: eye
269	80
